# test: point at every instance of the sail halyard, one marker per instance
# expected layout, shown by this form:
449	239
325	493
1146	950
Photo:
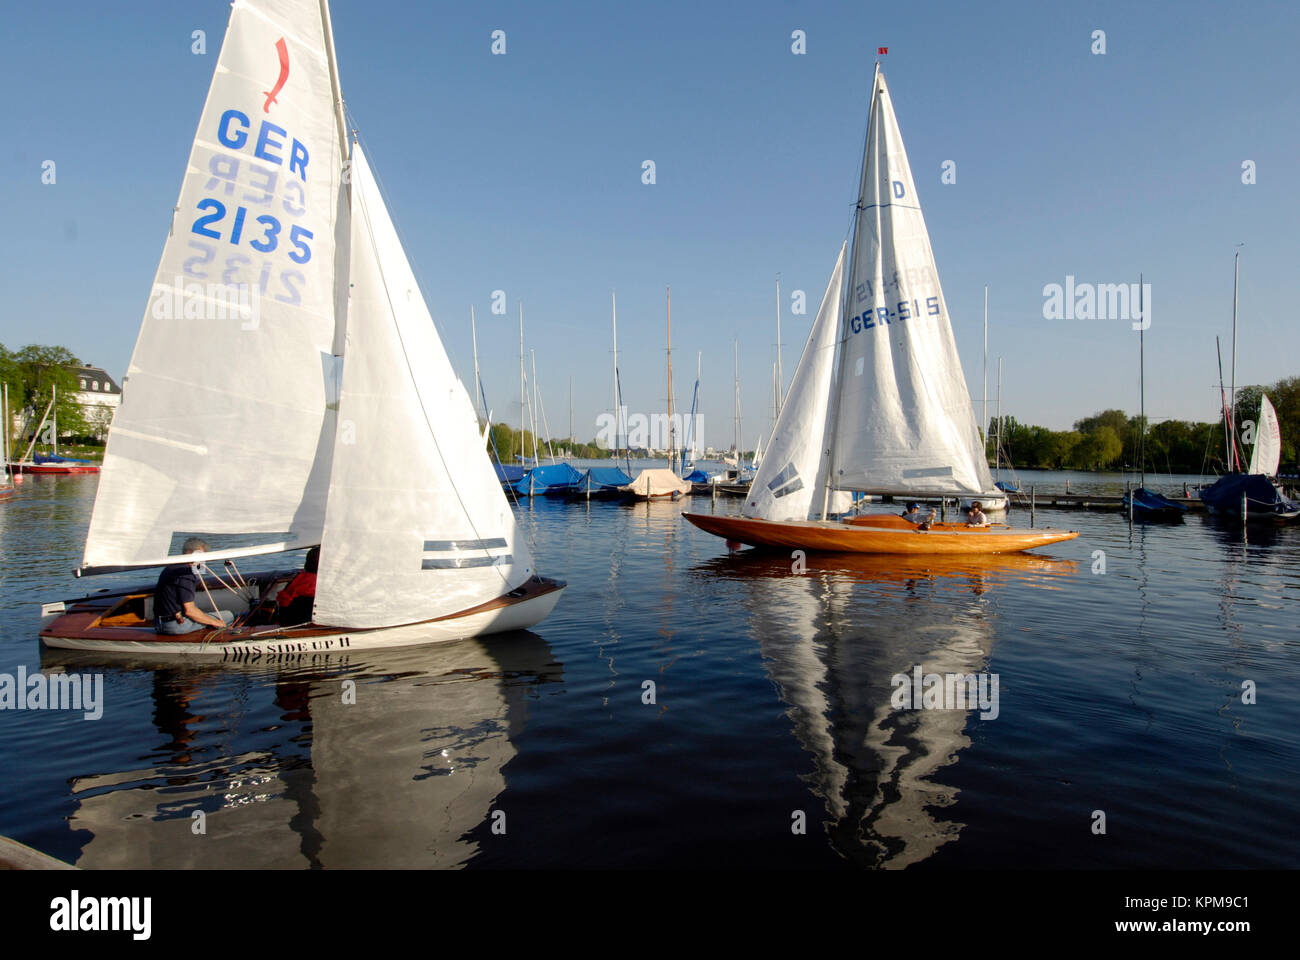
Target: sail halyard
225	399
847	287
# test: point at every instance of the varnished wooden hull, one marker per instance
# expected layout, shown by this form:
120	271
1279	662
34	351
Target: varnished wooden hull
879	533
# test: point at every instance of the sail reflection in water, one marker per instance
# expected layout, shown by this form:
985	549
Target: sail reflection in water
833	638
405	776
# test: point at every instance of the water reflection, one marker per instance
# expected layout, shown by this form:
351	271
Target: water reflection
390	760
832	638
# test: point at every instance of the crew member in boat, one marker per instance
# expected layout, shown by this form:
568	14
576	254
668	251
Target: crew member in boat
913	514
174	609
294	603
976	517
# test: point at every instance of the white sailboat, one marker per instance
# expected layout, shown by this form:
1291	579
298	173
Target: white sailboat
879	403
272	430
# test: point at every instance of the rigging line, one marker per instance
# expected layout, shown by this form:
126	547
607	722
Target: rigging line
365	212
452	358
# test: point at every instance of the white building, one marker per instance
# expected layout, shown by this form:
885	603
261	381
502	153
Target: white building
99	397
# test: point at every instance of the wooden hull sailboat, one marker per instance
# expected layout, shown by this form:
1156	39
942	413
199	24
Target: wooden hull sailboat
258	433
878	404
877	534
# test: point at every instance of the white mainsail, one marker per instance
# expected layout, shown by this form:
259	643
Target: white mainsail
417	526
790	481
223	429
904	421
1268	441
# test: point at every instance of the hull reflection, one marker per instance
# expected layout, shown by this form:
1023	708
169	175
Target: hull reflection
831	649
370	761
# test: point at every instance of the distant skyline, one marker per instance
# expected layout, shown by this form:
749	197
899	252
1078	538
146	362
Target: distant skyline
523	173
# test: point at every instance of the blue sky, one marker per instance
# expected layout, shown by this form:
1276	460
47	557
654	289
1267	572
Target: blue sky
523	173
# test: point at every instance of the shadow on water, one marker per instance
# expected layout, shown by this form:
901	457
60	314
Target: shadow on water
833	636
376	759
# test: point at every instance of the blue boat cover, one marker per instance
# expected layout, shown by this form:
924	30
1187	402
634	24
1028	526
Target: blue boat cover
1262	495
605	478
548	475
1148	501
1007	487
697	476
509	474
39	458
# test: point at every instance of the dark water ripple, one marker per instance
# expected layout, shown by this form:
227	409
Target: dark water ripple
1119	692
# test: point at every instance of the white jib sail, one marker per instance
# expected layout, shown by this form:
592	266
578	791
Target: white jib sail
224	402
1268	441
789	483
417	526
905	422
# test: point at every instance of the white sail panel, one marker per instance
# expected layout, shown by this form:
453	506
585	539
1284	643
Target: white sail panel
789	484
905	422
1267	453
417	526
224	402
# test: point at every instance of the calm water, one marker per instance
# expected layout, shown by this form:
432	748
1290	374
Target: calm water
1118	691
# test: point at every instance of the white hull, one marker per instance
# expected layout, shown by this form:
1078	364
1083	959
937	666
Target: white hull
516	616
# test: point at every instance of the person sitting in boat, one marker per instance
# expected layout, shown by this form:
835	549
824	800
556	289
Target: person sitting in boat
174	609
294	603
976	517
913	515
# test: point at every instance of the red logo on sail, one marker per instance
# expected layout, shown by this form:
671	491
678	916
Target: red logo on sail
283	51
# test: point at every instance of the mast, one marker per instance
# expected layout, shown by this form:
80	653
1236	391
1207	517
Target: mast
54	412
672	434
844	299
1232	448
997	453
780	378
570	415
699	361
4	437
340	320
736	344
532	410
1142	389
1223	402
523	389
473	332
618	407
984	422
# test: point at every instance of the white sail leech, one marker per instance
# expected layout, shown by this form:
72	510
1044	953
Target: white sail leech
790	482
223	408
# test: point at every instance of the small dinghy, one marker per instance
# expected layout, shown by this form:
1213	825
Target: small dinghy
272	428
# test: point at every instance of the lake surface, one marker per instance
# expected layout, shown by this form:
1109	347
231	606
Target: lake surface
1118	691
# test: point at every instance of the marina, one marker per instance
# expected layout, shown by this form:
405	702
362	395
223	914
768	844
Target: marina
297	574
771	694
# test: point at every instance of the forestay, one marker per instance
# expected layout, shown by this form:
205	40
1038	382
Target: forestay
1268	441
417	526
904	422
224	402
790	481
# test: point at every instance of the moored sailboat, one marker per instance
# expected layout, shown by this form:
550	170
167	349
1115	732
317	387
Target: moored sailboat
879	403
260	437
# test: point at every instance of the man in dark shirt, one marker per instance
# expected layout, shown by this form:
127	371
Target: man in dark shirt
174	609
